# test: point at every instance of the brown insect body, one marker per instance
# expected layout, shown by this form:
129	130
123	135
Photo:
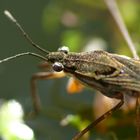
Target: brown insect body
111	74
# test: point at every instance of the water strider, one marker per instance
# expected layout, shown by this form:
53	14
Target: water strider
113	75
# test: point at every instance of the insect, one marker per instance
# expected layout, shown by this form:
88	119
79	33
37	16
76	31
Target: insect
113	75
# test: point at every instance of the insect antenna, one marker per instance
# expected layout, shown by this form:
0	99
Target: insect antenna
27	37
23	54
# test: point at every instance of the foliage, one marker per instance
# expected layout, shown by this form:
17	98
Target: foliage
12	126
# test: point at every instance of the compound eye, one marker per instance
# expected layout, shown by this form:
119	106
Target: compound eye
57	67
64	49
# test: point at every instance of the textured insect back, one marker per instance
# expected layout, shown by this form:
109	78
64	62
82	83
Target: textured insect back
96	64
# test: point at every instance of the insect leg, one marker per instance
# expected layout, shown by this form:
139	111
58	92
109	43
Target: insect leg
34	93
104	116
138	117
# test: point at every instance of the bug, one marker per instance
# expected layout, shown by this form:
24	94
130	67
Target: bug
111	74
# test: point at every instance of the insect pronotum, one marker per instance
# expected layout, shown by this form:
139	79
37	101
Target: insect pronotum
113	75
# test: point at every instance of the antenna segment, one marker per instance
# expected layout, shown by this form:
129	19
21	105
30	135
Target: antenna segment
27	37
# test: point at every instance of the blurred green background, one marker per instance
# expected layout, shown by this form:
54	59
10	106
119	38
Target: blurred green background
52	24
